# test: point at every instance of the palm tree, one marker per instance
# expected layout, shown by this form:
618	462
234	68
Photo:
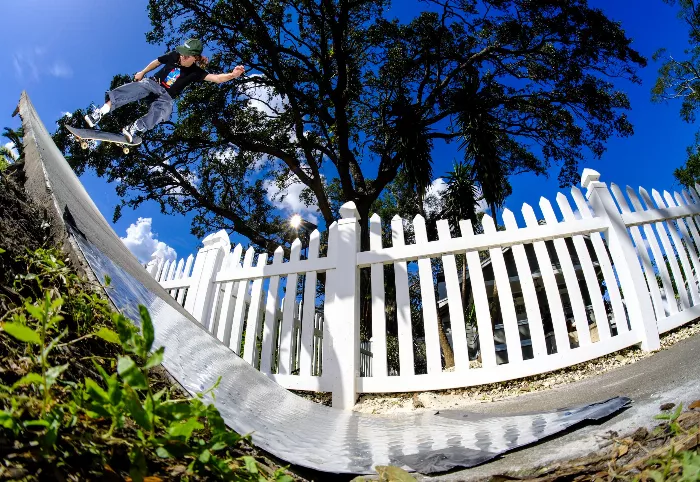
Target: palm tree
15	137
486	147
7	157
460	201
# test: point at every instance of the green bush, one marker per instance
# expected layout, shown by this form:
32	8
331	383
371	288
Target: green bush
100	412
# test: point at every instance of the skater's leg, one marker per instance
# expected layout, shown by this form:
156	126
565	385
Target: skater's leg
159	111
127	93
120	96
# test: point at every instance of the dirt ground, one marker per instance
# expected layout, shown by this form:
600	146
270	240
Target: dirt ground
22	224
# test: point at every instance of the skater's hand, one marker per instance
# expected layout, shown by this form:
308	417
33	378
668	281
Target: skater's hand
238	71
139	76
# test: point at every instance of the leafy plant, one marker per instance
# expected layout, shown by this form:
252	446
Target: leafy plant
116	412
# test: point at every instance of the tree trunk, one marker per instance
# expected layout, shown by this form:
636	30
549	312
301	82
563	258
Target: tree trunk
445	344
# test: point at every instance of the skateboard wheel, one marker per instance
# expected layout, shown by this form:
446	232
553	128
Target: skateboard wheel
84	145
126	150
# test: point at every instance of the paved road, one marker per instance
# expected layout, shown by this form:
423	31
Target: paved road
671	375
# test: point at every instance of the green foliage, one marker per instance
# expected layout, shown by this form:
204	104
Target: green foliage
672	418
118	413
357	100
678	80
7	155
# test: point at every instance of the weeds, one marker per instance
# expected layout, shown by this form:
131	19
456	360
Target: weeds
100	414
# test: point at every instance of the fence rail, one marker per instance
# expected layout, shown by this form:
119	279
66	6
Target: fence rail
608	271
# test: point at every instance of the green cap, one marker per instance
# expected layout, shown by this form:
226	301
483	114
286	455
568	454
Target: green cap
192	46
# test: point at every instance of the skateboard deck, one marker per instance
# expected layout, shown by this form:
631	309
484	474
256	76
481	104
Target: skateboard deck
90	134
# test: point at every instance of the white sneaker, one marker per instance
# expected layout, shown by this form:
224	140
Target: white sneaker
130	132
94	118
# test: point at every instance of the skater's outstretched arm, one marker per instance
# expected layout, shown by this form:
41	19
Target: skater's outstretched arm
153	65
220	78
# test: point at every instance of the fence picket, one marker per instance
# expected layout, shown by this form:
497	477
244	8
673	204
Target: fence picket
159	272
180	269
309	312
253	326
379	354
187	273
601	252
668	249
269	338
680	242
505	296
223	327
454	303
694	241
570	278
551	289
427	292
692	196
171	271
219	294
329	304
643	253
656	252
212	320
527	285
481	301
403	303
239	309
677	246
290	295
178	275
691	236
318	345
589	274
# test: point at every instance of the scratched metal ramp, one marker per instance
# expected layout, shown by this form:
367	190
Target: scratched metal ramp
296	430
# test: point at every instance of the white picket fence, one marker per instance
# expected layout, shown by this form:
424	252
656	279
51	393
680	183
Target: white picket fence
312	341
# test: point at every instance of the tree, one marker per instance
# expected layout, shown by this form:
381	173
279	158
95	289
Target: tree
679	79
7	154
342	98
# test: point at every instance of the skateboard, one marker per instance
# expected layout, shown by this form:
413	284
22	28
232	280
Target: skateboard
90	134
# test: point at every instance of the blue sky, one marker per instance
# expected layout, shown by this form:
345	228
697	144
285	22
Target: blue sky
75	47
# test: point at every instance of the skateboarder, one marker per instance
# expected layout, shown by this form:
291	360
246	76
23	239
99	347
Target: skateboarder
181	67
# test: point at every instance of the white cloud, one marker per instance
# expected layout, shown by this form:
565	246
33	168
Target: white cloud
25	66
433	198
61	70
432	203
67	114
25	63
12	148
142	242
263	98
437	187
289	200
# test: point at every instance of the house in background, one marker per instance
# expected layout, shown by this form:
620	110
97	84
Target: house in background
521	313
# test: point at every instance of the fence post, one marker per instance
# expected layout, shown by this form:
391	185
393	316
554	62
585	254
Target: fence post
206	266
152	267
341	352
624	257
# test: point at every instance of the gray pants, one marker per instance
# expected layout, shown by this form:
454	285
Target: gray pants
159	110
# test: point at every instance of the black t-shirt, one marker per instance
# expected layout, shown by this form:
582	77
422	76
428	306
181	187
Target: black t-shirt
174	77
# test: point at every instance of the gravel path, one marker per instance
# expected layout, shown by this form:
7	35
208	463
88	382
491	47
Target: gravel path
463	398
